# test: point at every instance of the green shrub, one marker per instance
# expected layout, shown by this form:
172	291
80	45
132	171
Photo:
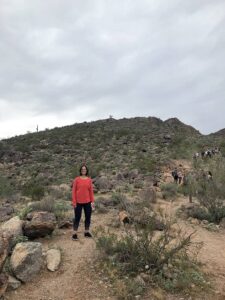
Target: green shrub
146	164
20	239
101	205
34	189
58	208
46	204
24	212
140	250
118	199
147	196
169	190
5	187
211	192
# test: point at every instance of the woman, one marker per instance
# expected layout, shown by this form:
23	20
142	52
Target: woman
82	197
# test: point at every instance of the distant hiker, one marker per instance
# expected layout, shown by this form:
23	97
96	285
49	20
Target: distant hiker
180	176
175	175
203	154
82	197
196	155
209	154
216	150
209	175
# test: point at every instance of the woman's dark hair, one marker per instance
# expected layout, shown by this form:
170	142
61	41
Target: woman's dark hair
86	169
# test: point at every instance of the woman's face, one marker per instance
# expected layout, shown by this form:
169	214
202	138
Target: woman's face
83	170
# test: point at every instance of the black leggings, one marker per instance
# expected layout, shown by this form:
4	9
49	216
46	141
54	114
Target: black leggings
78	212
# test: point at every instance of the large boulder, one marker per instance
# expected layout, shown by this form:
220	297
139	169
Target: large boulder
53	259
13	228
4	250
26	260
42	223
103	183
5	213
3	284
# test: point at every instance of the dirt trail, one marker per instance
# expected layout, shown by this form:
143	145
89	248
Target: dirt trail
75	279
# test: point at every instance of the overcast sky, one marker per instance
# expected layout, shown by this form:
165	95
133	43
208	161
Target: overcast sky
63	62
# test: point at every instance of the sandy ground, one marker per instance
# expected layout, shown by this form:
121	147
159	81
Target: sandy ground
76	279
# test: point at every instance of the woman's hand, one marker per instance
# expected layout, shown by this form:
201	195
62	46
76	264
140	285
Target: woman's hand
93	205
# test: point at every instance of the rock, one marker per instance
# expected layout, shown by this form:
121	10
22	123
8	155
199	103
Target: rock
205	222
65	224
194	221
42	223
53	259
139	280
5	213
65	187
133	174
26	260
119	177
103	183
167	137
13	283
12	229
29	216
148	195
159	225
145	277
3	284
222	223
4	250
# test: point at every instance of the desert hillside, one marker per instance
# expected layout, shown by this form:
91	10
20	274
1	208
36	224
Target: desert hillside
154	236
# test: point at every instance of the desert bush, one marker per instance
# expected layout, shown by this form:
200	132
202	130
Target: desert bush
138	184
181	148
22	214
20	239
200	213
129	288
169	190
211	191
145	165
5	187
59	208
140	250
148	196
118	199
56	192
101	205
33	189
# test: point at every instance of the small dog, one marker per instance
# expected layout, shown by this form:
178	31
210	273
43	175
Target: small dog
123	217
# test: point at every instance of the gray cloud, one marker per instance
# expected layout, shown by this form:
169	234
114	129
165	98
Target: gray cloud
71	61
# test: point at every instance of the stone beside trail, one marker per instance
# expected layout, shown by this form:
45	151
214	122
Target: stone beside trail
26	260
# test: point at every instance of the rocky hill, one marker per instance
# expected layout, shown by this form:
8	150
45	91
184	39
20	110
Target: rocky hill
108	147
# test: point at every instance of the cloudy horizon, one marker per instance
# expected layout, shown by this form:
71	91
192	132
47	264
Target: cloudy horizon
66	62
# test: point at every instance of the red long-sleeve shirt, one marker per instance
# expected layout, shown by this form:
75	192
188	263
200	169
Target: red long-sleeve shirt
82	191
